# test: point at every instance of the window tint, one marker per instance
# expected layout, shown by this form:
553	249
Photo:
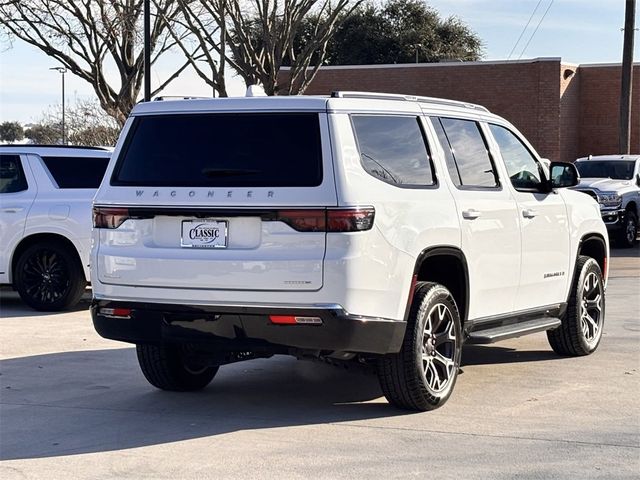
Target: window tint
76	172
448	155
470	153
523	169
223	150
12	177
393	149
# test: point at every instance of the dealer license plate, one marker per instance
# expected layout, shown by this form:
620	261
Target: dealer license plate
204	234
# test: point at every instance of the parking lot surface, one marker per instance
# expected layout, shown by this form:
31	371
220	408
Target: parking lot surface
74	405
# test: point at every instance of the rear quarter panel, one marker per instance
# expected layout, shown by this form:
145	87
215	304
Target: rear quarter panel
376	267
65	212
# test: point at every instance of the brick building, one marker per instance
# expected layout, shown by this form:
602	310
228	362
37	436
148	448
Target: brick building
565	110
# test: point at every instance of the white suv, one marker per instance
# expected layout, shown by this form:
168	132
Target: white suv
378	228
45	220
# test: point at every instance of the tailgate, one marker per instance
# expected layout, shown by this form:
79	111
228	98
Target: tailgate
213	250
217	209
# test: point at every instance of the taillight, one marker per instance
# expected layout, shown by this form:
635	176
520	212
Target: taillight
109	217
329	220
304	220
350	219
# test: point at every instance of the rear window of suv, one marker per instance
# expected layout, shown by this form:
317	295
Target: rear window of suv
222	150
76	172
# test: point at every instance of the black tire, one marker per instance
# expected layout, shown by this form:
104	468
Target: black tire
49	277
579	335
629	231
165	367
408	378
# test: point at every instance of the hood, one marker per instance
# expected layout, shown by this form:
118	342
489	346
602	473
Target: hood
605	184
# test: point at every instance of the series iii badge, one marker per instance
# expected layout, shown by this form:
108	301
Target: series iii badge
554	274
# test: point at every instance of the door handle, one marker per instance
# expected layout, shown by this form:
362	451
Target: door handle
12	209
529	213
471	214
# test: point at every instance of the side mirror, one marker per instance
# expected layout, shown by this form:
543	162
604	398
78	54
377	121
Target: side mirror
638	179
563	175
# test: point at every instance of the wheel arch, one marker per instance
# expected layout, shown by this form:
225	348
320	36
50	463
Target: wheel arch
38	238
595	246
446	265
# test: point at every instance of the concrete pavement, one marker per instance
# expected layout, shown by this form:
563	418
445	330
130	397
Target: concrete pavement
73	405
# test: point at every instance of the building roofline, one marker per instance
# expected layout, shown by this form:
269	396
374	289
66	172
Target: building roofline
612	64
434	64
466	64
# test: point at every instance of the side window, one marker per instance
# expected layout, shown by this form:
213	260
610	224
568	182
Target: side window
469	150
523	168
393	149
12	177
76	172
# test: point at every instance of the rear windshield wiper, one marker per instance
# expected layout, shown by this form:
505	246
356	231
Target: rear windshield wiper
227	172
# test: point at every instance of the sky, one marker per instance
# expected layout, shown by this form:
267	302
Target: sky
578	31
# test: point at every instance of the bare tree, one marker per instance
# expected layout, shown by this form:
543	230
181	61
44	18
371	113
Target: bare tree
86	124
201	33
257	37
91	36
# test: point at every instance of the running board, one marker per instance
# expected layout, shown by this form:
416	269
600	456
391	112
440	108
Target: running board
503	332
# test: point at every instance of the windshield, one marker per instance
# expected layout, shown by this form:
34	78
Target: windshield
617	169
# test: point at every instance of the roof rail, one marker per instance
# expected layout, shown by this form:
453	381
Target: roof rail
45	145
178	97
408	98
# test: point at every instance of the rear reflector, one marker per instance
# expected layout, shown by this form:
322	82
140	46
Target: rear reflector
294	320
412	291
356	219
109	217
115	312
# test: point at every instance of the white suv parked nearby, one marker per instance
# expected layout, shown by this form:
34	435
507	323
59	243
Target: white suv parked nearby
45	220
378	228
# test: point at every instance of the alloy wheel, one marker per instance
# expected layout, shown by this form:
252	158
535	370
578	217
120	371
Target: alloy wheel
630	230
439	348
46	276
591	308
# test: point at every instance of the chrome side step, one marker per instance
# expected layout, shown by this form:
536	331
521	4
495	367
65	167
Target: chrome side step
503	332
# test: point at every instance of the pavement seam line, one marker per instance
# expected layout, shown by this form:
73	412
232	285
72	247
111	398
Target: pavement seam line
347	424
486	435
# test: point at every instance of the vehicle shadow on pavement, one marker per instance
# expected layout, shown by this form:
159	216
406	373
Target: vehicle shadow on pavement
493	354
625	252
11	306
92	401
